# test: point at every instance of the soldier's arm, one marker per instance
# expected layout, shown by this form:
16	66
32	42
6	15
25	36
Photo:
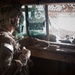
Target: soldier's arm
6	57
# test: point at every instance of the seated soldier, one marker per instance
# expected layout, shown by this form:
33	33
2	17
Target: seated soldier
13	60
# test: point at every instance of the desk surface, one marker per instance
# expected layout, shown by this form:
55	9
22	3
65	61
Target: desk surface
63	54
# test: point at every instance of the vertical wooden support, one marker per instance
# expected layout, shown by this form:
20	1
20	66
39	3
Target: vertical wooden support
26	11
47	25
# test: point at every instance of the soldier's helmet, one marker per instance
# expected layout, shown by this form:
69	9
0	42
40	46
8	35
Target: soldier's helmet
10	12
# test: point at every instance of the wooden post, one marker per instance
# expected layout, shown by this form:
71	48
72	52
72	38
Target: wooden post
47	25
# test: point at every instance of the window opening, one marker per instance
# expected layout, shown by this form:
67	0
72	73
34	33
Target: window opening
62	22
36	20
21	31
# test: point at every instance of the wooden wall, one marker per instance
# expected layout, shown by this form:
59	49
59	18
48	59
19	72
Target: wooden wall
51	67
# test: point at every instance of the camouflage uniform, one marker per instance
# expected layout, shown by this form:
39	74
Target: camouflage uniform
9	53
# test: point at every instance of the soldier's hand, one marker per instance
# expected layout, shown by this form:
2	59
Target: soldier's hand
26	52
24	57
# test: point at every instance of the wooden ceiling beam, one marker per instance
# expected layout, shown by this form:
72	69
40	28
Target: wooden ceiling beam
28	1
45	1
35	1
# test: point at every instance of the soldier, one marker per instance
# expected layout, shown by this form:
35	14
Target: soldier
13	60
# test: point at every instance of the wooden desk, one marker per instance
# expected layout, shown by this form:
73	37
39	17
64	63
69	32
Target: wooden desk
63	54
